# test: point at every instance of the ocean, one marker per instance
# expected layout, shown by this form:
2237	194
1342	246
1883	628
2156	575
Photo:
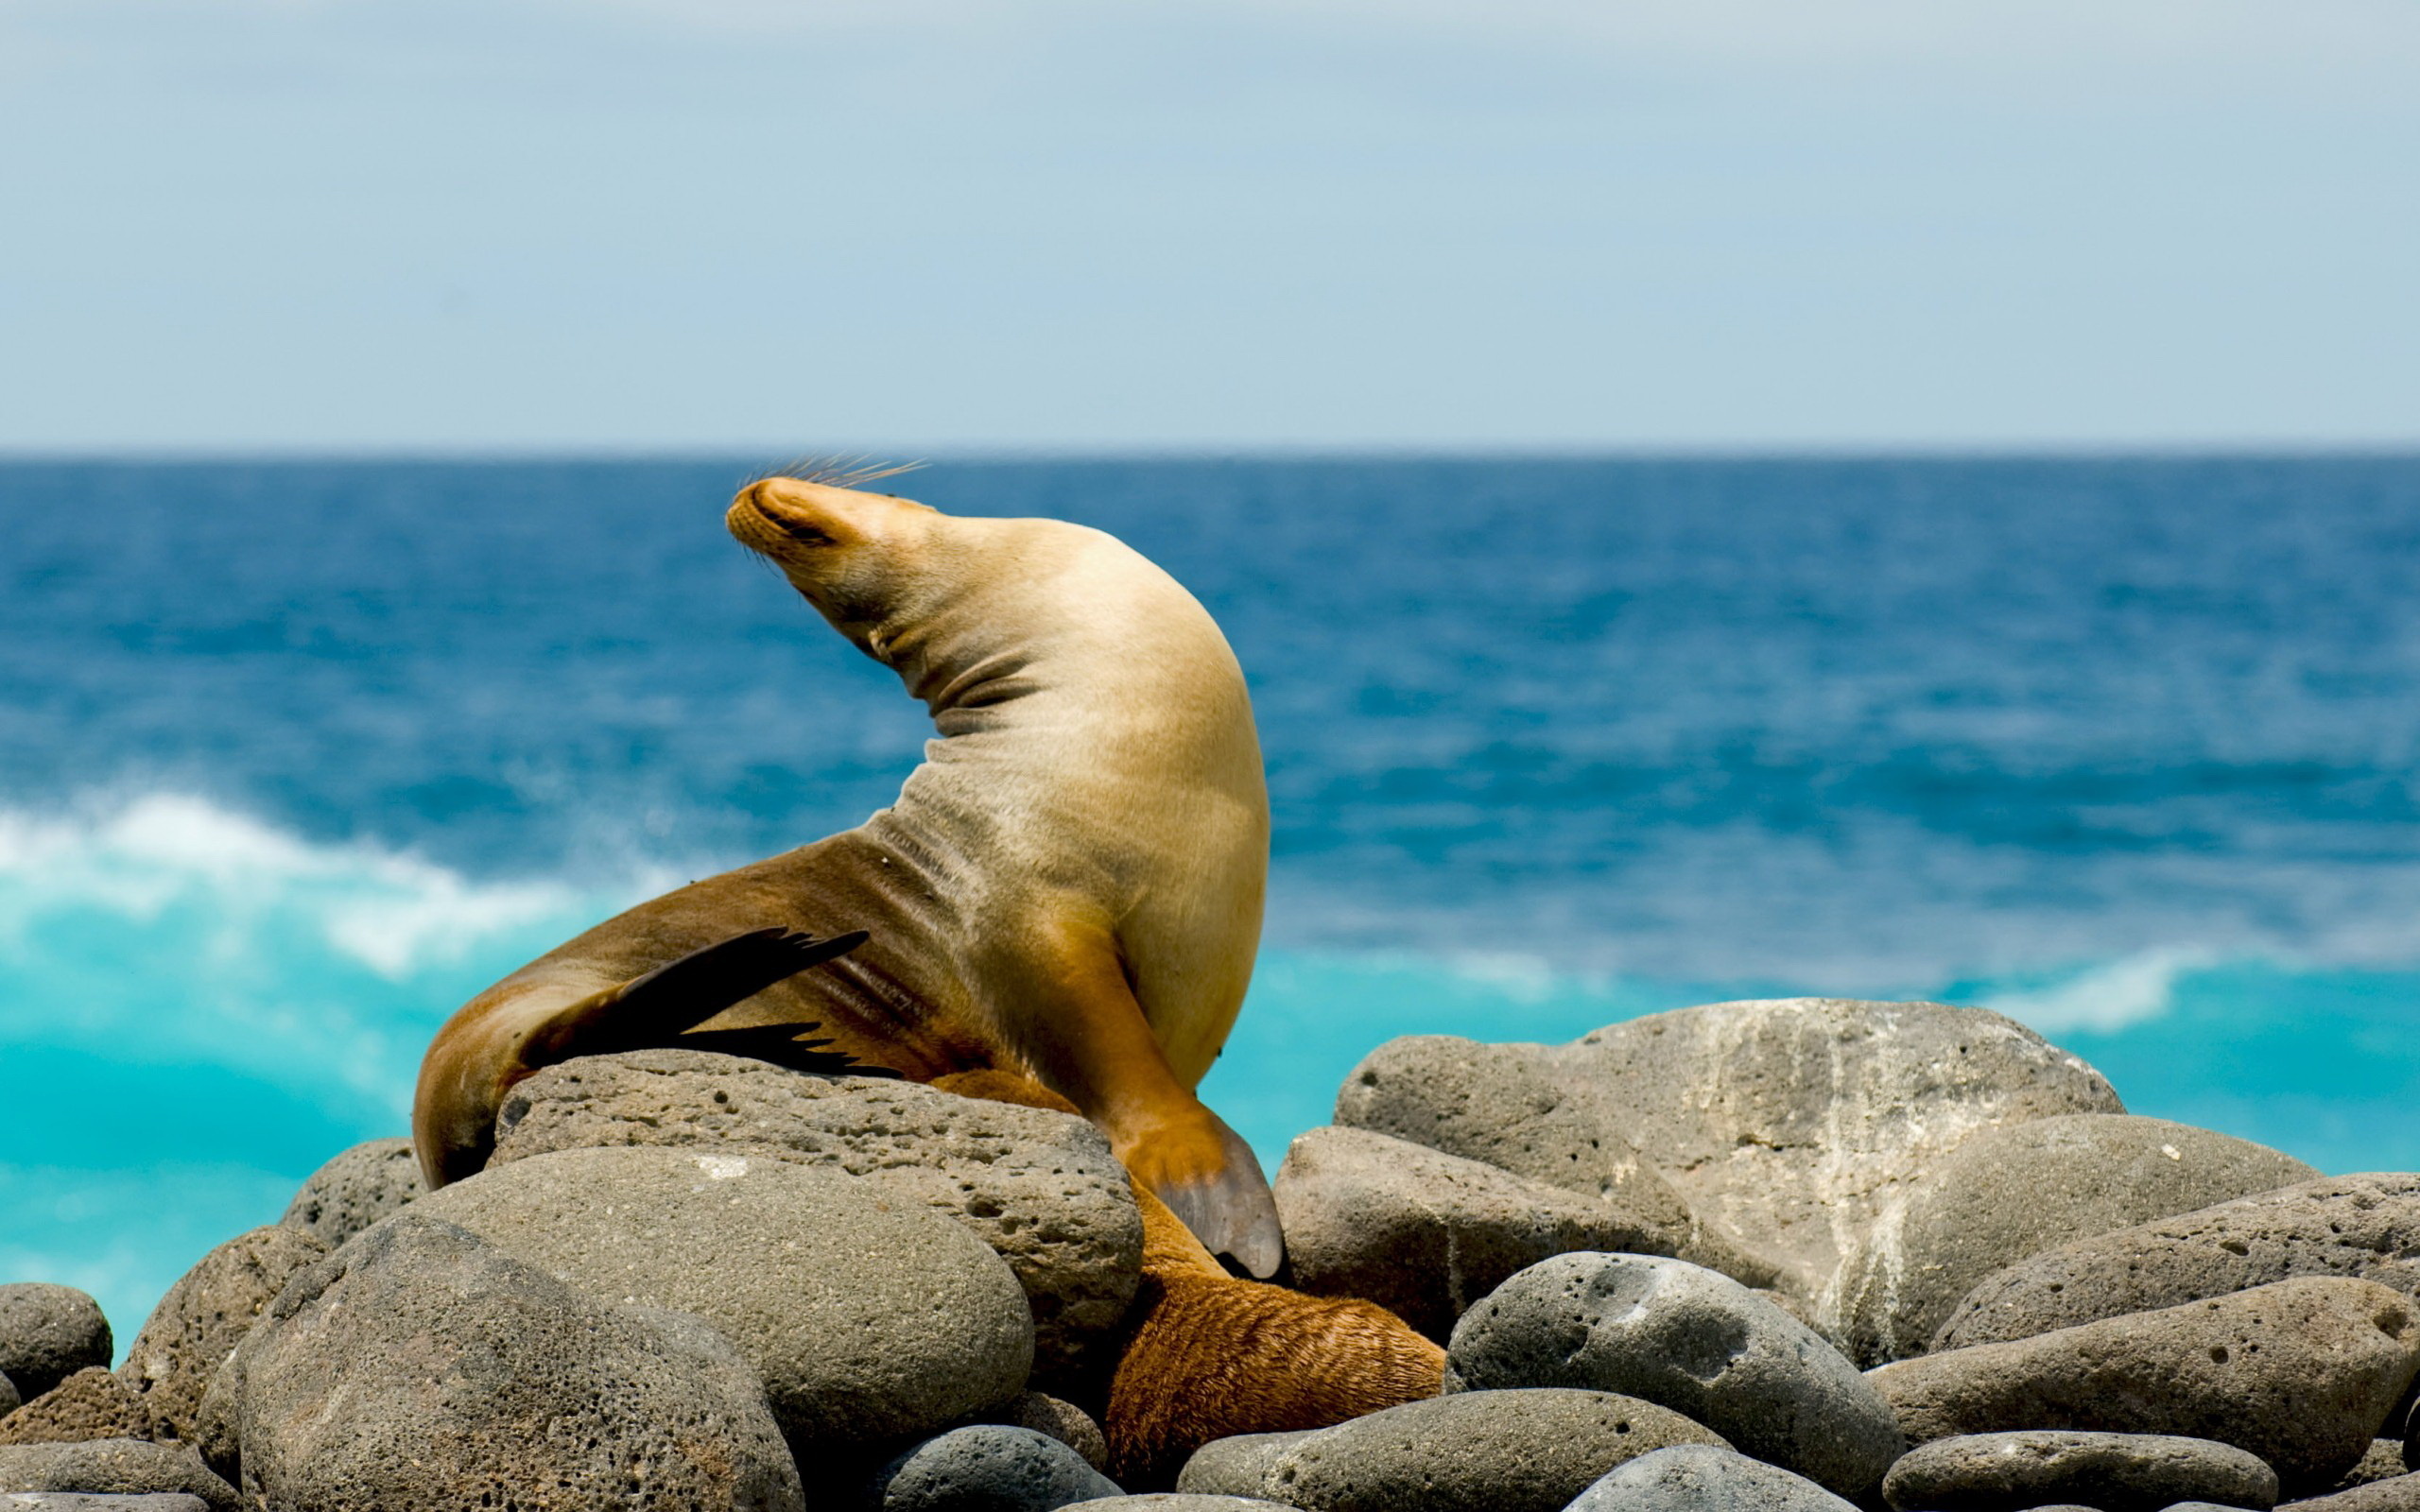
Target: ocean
295	756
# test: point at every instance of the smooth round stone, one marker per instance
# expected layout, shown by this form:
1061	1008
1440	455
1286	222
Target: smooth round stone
1177	1501
1238	1465
1700	1478
47	1333
125	1467
989	1468
355	1189
2114	1472
2402	1494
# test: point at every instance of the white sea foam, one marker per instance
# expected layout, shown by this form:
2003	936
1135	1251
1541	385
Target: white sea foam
2115	995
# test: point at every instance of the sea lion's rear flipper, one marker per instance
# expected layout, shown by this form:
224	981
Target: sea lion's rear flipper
649	1010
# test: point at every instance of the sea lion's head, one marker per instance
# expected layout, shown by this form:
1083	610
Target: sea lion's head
863	560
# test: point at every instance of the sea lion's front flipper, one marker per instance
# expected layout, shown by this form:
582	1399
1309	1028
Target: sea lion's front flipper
649	1010
1229	1210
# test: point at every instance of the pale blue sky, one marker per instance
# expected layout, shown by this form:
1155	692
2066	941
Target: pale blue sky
939	225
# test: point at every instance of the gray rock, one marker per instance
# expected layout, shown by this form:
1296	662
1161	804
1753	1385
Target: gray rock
1236	1466
1785	1128
92	1403
2301	1373
2401	1494
2178	1506
1040	1187
874	1319
2360	1226
1425	1234
9	1400
2384	1461
1063	1420
1700	1478
120	1467
2015	1191
2115	1472
420	1368
1529	1451
205	1314
47	1333
1685	1338
356	1190
989	1468
99	1502
1179	1502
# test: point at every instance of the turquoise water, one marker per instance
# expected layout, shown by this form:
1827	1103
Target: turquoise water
296	757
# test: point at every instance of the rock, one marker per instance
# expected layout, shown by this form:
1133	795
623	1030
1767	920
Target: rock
2115	1472
1425	1234
1527	1451
1177	1501
421	1368
1681	1336
2301	1373
1700	1478
120	1467
2019	1189
2401	1494
1041	1188
205	1314
2358	1226
1063	1420
9	1400
1785	1128
989	1468
2383	1461
99	1502
47	1333
873	1318
356	1190
1236	1466
92	1403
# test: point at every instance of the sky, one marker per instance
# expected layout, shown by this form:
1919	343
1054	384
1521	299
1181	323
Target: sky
941	226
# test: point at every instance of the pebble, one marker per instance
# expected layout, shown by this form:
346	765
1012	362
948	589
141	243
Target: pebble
2301	1373
1063	1420
205	1314
988	1467
1042	1188
1524	1451
2114	1472
123	1467
2015	1191
356	1190
47	1333
872	1318
1700	1478
1683	1337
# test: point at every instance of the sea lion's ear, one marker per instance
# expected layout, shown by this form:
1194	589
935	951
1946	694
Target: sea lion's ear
637	1014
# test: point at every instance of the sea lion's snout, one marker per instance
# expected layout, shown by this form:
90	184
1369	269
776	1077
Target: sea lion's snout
782	517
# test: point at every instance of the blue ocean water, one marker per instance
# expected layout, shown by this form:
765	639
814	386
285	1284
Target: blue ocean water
296	756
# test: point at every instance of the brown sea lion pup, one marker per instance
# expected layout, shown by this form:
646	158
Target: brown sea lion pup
1069	888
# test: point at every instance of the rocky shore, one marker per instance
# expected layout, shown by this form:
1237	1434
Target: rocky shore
1806	1254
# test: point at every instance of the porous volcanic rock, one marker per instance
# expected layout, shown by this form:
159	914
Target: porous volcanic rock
2359	1225
1425	1234
1238	1465
988	1467
2114	1472
92	1403
1526	1451
2301	1373
355	1189
99	1502
47	1333
2017	1190
1683	1337
1784	1126
422	1367
118	1467
2401	1494
871	1316
205	1314
1040	1187
1700	1478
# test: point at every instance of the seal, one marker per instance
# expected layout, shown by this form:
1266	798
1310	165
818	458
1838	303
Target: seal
1067	889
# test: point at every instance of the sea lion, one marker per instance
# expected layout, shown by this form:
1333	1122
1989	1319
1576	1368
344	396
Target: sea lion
1069	888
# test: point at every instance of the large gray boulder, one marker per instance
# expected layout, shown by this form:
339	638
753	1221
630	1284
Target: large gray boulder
989	1468
356	1189
2113	1473
1238	1465
92	1403
116	1467
874	1319
1425	1234
1529	1451
47	1333
1683	1337
1785	1128
2358	1226
420	1368
1041	1188
2019	1189
205	1314
2302	1373
1700	1478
